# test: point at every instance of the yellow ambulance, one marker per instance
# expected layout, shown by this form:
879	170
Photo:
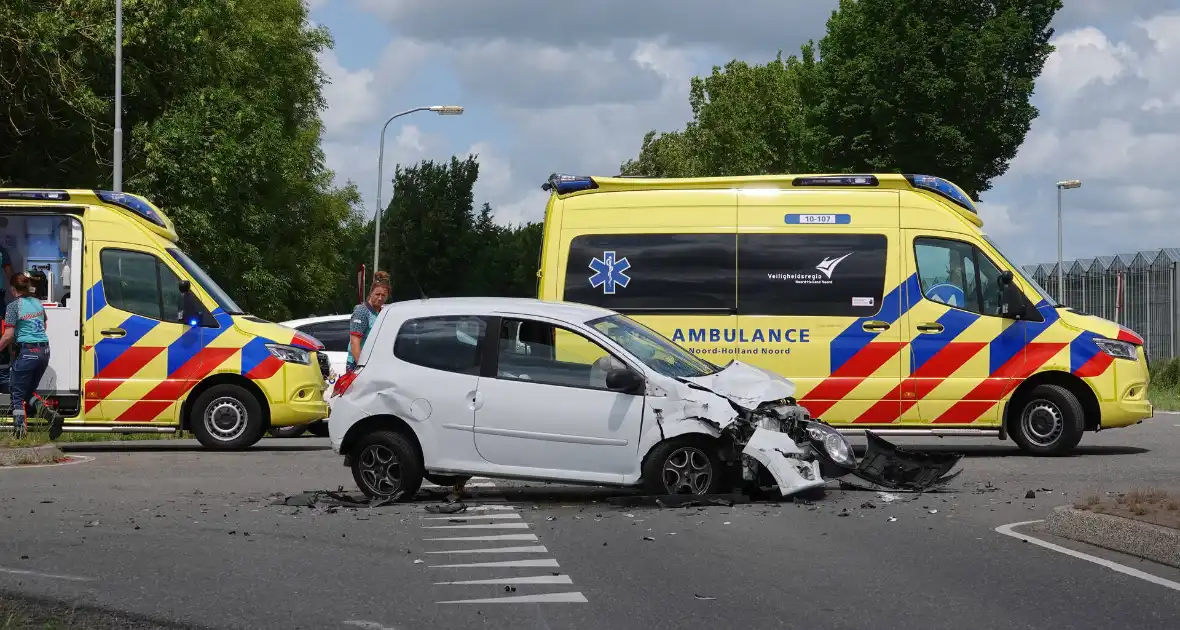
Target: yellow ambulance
141	338
879	295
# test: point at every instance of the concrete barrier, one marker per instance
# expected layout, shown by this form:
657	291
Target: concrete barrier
1137	538
44	454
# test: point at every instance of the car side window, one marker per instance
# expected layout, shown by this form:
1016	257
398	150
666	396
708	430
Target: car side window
139	283
448	343
957	274
333	334
540	352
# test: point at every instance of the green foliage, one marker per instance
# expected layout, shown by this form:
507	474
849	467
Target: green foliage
930	86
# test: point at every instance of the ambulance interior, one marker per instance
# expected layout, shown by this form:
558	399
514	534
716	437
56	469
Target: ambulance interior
49	249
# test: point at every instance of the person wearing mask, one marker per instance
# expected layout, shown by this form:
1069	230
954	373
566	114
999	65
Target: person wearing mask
363	317
24	320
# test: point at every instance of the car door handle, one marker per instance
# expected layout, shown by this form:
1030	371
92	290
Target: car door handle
875	325
114	332
931	328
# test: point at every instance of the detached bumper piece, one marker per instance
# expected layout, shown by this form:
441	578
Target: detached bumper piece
886	465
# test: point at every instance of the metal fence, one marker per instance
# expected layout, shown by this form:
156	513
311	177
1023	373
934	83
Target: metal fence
1136	290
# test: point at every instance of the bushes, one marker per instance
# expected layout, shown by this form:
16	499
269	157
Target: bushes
1164	389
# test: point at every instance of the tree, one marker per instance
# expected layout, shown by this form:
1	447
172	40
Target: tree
222	103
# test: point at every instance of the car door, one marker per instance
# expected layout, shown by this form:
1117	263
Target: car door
546	406
961	361
144	355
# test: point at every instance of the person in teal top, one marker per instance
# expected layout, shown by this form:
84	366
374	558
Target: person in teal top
363	317
24	324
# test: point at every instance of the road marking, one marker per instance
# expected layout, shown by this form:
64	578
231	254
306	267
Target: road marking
482	526
543	598
1114	566
531	549
74	459
368	625
493	537
52	576
533	579
475	508
472	516
547	562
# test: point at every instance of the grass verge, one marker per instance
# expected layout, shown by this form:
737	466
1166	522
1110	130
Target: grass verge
1152	505
38	436
18	612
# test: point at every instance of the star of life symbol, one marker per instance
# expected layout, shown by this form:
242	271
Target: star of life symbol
829	264
609	273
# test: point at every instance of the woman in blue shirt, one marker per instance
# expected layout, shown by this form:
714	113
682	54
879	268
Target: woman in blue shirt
25	325
363	317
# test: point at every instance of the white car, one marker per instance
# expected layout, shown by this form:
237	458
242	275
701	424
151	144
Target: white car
451	388
332	331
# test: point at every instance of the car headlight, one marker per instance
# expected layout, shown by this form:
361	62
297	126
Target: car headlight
289	354
834	445
1117	349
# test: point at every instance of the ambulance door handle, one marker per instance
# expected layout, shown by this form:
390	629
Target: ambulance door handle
930	328
875	325
114	332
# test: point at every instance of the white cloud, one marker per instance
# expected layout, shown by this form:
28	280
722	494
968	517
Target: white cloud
350	95
1083	57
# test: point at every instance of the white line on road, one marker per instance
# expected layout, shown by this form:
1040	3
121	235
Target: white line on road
548	562
505	517
1114	566
533	579
530	549
52	576
368	625
482	526
544	598
487	538
473	508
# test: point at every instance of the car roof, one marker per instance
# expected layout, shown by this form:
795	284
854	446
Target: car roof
569	311
292	323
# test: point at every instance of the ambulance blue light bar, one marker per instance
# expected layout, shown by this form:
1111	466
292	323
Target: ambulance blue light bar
35	195
131	202
565	184
942	188
837	180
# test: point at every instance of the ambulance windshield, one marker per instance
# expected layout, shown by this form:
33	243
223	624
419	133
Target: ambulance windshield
1017	270
222	298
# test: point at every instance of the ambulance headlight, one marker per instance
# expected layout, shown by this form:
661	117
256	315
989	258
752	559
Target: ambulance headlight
289	354
1117	349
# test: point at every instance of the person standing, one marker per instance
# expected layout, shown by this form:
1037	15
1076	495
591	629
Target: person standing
24	320
363	317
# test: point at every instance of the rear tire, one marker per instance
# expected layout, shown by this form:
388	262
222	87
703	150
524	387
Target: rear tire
688	464
385	462
227	417
1048	421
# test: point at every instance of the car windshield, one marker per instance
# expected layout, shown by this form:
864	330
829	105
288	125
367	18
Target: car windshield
223	299
655	350
1017	270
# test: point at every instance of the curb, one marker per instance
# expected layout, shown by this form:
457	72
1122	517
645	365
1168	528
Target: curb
43	454
1136	538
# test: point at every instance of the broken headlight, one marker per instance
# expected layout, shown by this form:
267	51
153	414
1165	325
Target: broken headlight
830	444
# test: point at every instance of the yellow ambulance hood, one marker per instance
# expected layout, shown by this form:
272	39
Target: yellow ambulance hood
258	327
1097	325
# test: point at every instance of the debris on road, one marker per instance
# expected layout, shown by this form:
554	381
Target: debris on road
447	508
648	538
704	597
892	519
329	501
1030	495
887	497
868	505
679	500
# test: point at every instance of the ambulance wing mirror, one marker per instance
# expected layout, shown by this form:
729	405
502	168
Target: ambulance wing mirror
1013	304
194	313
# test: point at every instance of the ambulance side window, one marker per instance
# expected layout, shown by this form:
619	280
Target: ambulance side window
957	274
811	275
139	283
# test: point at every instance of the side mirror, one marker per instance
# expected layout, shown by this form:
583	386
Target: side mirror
193	312
1013	304
623	380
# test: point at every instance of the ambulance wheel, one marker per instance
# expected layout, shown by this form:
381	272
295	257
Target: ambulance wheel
1049	420
227	417
688	464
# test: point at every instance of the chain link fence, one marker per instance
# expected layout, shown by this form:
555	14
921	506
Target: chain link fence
1136	290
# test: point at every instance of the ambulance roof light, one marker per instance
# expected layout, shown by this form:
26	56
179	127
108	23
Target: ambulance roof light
131	202
565	184
836	180
35	195
942	188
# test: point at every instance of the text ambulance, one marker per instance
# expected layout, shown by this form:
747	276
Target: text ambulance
879	295
141	339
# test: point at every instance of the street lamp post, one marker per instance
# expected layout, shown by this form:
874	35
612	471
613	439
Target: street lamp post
442	110
118	148
1062	185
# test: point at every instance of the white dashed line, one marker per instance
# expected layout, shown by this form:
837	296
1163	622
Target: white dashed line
488	538
532	579
513	517
482	526
543	598
547	562
532	549
51	576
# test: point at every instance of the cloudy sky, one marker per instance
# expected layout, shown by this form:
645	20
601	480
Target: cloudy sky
572	87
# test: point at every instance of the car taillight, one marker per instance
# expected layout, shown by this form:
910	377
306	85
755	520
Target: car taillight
345	381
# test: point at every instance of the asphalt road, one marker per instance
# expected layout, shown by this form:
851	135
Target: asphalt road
168	530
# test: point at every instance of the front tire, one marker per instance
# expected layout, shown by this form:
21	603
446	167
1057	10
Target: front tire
227	417
684	465
1049	421
385	463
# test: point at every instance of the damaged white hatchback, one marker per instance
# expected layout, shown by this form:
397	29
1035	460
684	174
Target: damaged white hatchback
449	388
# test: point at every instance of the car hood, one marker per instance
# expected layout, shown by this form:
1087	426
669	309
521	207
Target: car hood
276	333
1098	326
745	385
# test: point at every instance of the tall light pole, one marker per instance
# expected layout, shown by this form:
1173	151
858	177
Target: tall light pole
1062	185
118	96
441	110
